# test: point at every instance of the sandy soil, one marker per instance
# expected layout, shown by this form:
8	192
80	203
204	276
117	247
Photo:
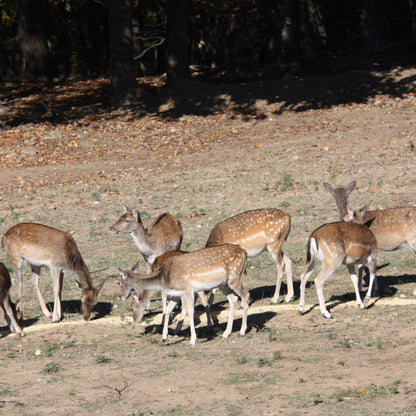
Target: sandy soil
229	149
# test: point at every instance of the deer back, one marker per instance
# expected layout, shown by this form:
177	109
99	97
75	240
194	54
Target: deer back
166	231
345	239
252	230
43	246
205	269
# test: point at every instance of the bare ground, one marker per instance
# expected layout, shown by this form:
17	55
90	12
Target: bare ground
228	149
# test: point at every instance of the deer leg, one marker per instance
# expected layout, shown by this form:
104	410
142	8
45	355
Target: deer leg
237	286
35	281
206	305
232	301
188	300
354	278
277	256
57	279
303	279
372	266
319	283
181	319
9	315
19	301
172	303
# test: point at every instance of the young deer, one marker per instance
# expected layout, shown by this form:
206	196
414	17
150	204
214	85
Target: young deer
256	231
393	228
181	276
164	234
42	246
7	305
140	302
334	244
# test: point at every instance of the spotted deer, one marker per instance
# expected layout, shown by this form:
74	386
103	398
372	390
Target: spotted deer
140	302
9	308
43	246
181	276
163	234
394	228
332	245
256	231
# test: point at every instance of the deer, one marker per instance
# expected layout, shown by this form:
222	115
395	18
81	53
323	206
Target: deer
40	246
394	228
220	267
332	245
163	234
256	231
9	308
140	302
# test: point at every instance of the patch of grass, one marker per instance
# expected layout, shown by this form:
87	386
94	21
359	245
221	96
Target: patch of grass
369	392
241	360
341	362
51	368
102	359
285	182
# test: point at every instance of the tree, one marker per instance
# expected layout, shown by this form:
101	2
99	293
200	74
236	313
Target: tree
178	29
123	80
32	38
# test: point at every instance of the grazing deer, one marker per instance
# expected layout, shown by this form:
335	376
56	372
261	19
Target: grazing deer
256	231
7	305
181	276
334	244
42	246
140	302
393	228
164	234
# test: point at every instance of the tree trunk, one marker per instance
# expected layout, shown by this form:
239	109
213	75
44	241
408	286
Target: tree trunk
178	28
123	80
290	49
32	38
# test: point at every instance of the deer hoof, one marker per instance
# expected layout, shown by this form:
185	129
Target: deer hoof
366	300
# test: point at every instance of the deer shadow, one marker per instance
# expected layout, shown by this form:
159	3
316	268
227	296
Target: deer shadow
23	323
74	307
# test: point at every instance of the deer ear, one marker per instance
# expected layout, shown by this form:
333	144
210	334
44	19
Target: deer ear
126	208
99	287
121	272
328	187
364	209
136	215
78	285
135	268
351	186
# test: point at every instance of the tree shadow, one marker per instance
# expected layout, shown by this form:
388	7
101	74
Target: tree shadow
297	91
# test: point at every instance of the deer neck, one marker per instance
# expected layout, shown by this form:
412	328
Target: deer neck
83	275
151	282
142	241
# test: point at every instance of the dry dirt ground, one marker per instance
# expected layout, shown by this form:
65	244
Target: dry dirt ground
67	161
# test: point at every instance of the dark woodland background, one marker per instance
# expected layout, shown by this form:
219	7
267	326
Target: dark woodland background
225	41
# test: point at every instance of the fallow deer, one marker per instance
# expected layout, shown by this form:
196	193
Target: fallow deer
181	276
163	234
140	302
6	304
256	231
394	228
43	246
334	244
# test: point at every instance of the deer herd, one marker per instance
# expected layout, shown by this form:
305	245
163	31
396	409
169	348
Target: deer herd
221	265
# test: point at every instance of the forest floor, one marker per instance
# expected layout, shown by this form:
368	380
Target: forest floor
69	161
